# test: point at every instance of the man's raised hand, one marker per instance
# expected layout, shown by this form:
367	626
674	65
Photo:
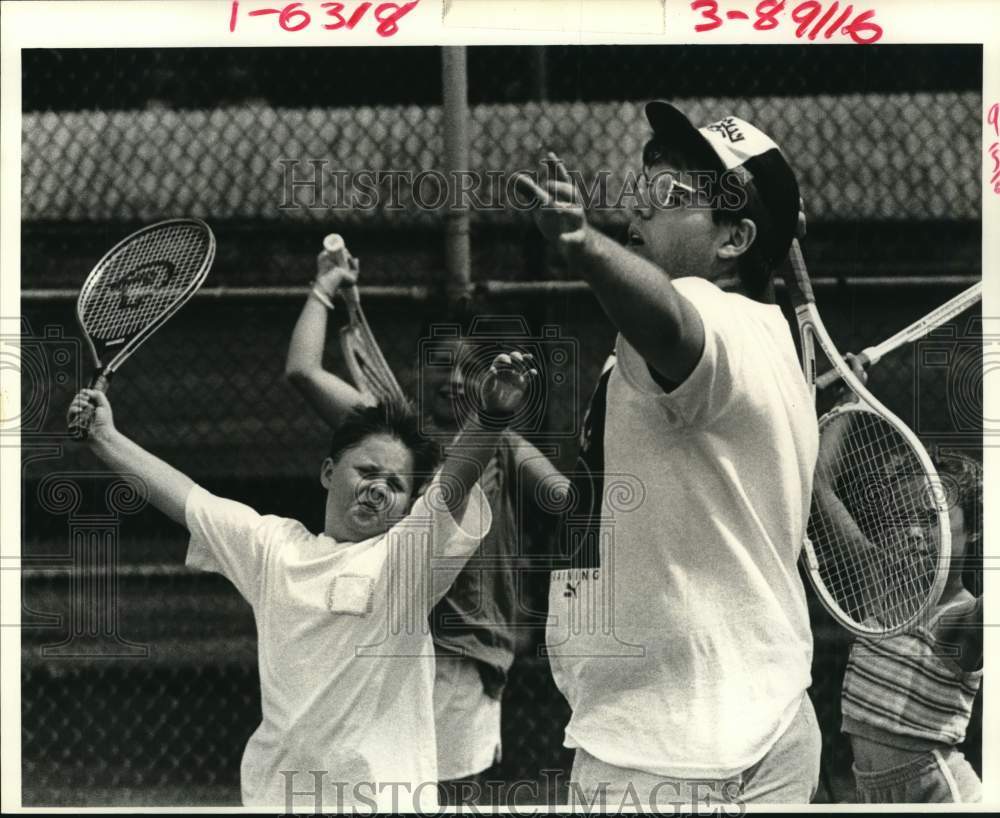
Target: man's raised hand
558	212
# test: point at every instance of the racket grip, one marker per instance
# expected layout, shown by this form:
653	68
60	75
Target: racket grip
832	376
79	427
334	245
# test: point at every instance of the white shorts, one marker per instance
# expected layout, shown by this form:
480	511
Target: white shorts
466	720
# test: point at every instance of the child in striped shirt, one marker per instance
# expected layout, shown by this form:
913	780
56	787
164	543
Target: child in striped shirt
907	699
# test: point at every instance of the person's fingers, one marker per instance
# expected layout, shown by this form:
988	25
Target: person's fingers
335	277
530	186
324	263
857	367
561	192
561	173
524	362
96	397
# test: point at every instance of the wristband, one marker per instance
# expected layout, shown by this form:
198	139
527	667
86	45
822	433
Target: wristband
321	296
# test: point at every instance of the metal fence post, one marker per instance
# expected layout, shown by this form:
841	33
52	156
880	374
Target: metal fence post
456	160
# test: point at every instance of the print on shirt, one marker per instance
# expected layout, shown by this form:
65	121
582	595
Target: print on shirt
350	594
579	533
581	589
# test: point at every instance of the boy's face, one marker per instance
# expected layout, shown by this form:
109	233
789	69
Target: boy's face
672	229
447	389
921	531
368	489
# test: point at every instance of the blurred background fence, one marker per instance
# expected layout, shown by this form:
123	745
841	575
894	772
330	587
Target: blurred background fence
886	143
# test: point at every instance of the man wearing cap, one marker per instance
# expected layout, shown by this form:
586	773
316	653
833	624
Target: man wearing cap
678	628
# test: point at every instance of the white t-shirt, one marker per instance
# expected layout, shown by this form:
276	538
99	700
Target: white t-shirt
344	648
466	719
679	631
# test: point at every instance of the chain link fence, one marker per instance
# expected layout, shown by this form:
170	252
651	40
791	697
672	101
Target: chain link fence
886	144
275	143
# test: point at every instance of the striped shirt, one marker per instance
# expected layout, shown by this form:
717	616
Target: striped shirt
908	690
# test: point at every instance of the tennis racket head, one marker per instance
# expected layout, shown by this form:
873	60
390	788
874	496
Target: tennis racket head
135	288
879	539
140	283
878	544
369	369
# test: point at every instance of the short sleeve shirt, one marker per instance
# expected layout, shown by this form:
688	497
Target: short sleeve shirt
344	648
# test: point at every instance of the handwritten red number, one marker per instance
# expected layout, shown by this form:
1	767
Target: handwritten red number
358	14
767	12
389	15
862	31
290	11
333	10
804	14
232	15
824	20
286	16
836	24
993	117
709	10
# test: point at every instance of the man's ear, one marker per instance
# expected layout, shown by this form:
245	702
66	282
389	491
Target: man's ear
737	239
326	473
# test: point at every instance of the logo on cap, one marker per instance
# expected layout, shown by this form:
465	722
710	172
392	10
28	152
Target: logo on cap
727	128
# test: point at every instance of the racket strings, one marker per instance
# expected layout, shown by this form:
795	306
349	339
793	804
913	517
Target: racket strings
143	279
876	531
369	367
381	382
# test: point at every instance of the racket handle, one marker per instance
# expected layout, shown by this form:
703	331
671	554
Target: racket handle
799	286
79	427
832	376
334	245
351	298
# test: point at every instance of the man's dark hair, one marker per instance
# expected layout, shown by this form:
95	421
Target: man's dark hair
396	420
754	269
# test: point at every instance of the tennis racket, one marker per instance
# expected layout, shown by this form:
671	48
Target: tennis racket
878	543
133	290
369	370
917	330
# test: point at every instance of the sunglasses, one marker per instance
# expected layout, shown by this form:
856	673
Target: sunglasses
664	190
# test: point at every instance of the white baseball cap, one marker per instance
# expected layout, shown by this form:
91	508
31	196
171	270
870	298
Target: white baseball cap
743	149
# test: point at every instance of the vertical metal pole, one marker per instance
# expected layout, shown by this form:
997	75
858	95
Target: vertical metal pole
540	59
456	160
